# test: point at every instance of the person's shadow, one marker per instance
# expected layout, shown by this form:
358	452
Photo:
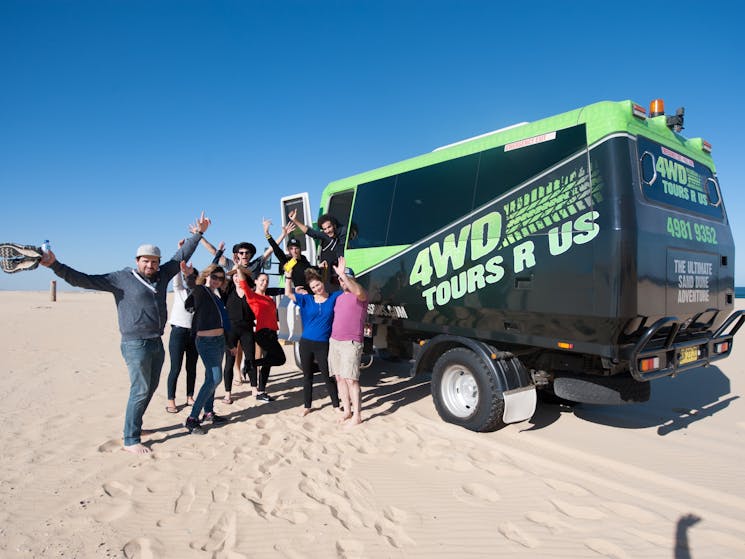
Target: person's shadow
682	550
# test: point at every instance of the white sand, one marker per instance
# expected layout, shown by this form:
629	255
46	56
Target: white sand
620	482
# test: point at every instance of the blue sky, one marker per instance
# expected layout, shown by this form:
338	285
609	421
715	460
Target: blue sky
121	120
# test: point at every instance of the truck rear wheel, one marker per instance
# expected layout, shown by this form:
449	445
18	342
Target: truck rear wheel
465	392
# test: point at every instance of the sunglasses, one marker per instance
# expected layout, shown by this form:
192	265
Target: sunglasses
216	277
245	252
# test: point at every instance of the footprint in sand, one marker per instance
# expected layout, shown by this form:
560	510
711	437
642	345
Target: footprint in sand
577	511
477	493
185	500
292	515
632	512
514	534
289	553
435	449
220	493
110	446
265	439
111	510
349	549
605	548
117	490
308	426
339	506
565	487
222	535
396	515
390	527
253	505
143	548
118	506
554	524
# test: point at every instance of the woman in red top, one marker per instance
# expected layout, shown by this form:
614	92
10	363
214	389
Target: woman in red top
265	311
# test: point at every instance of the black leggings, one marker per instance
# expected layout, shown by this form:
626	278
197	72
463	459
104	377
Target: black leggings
249	355
273	356
310	350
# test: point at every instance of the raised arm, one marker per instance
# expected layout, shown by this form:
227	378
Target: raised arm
354	288
171	267
289	291
78	279
274	244
293	217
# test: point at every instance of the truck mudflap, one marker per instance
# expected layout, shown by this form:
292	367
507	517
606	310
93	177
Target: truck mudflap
680	352
519	404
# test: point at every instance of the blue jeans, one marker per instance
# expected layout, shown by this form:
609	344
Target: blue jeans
211	349
179	344
144	359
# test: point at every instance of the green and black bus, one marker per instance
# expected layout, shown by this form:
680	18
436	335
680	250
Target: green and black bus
578	256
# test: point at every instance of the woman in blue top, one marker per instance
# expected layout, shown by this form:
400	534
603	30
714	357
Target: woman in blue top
317	312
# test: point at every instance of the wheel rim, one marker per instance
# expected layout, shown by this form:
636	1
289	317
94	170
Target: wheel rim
459	390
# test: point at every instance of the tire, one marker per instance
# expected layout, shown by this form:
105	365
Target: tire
465	391
611	391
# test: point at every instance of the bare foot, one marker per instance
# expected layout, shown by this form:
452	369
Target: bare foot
353	422
136	448
343	417
305	412
189	401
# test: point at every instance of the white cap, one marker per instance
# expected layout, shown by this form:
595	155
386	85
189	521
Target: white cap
148	250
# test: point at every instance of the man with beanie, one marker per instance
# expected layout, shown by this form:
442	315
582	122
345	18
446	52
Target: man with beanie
140	296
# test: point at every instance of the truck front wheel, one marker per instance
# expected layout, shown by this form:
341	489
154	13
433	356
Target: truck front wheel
465	392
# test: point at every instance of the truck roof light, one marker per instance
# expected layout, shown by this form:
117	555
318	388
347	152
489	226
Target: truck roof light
638	111
565	345
706	146
657	108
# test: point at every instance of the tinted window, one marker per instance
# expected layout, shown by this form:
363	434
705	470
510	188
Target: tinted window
402	209
678	181
502	170
431	197
340	206
372	210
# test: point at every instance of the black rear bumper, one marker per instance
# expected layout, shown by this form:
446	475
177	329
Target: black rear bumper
670	349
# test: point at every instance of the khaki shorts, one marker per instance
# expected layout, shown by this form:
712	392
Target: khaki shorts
344	358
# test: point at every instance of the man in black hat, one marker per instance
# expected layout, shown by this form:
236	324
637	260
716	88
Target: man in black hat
294	260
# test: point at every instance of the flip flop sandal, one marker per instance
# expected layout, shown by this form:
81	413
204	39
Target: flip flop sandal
227	400
171	409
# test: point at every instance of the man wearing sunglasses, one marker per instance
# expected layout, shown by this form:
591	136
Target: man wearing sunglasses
140	295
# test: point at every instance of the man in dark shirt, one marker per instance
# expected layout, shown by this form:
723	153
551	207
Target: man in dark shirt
331	238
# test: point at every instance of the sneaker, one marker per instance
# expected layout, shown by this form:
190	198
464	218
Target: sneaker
212	417
194	426
264	397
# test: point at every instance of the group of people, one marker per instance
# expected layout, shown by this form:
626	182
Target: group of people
223	313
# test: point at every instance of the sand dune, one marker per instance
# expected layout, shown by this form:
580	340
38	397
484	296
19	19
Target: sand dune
660	479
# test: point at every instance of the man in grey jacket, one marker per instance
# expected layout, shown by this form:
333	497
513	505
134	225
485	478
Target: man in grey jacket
140	295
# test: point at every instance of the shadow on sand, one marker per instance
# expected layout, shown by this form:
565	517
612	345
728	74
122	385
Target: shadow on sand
675	404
